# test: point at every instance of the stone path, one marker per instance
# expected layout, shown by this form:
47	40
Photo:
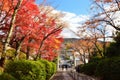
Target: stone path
62	75
67	75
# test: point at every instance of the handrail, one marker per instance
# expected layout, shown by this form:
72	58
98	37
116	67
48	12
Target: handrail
79	76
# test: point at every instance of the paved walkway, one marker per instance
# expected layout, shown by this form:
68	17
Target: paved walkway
65	75
62	75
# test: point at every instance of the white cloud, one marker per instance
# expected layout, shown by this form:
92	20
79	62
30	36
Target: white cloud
74	21
66	33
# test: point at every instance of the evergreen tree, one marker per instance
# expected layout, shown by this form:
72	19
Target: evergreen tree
114	48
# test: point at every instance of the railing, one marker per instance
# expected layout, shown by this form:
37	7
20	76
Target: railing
79	76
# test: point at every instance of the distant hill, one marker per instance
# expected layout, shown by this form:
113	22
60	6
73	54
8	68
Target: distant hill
70	39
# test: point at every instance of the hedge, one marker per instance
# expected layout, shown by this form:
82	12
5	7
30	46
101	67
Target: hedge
90	67
6	76
48	67
105	69
26	70
54	67
109	69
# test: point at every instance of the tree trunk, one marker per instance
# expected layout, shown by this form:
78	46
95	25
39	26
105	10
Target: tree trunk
28	52
84	58
99	51
28	49
7	41
11	28
39	50
17	53
89	55
104	42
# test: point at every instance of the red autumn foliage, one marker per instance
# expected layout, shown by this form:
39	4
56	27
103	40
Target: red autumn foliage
32	28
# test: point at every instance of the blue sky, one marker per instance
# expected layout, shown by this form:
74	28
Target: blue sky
75	12
73	6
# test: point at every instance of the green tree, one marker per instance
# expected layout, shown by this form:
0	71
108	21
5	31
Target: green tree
114	48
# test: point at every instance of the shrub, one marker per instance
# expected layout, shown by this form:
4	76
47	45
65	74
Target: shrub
25	70
114	48
109	69
1	70
95	59
89	68
11	54
54	68
78	68
6	76
48	67
43	70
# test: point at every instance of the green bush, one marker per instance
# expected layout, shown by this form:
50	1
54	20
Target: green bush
90	67
48	67
109	69
43	70
10	53
54	68
114	48
25	70
6	76
1	70
95	59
